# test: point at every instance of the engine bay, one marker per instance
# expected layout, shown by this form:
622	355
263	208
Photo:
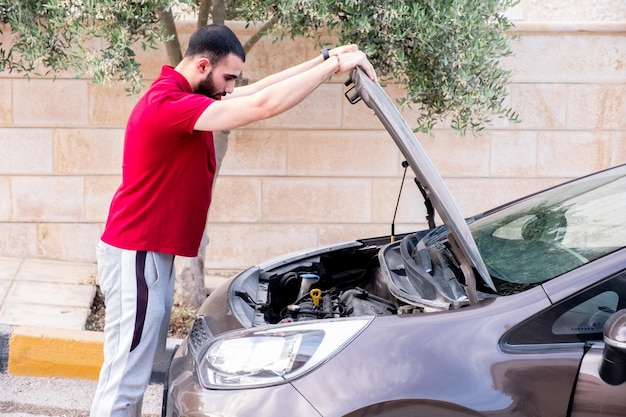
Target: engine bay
343	283
350	282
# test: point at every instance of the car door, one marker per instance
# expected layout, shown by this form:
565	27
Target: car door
593	397
573	324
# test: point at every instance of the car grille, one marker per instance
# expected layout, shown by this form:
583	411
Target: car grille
199	334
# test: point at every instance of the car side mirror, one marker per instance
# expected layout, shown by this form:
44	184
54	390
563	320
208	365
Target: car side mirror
613	366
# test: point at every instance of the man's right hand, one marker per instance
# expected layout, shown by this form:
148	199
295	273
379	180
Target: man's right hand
350	60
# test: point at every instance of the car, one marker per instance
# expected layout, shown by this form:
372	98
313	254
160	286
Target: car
517	311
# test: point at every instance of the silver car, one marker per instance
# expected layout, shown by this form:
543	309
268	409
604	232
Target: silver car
517	311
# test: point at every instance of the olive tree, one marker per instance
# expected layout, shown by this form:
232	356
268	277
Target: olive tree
444	53
96	38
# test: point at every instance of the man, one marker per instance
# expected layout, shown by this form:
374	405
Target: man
159	211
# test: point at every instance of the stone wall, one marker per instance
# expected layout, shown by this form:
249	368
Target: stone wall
325	171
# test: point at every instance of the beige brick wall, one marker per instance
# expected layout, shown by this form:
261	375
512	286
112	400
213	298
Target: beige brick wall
326	171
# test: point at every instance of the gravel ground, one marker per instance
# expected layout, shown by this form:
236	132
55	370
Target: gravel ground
59	397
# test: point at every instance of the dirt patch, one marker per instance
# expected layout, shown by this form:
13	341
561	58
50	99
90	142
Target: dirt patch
180	322
95	321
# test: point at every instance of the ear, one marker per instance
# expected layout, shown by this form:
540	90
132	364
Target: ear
203	64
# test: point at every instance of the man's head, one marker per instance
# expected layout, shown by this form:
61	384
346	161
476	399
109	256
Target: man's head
217	58
216	42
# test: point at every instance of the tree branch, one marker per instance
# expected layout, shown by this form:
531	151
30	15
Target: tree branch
172	46
219	11
259	34
204	10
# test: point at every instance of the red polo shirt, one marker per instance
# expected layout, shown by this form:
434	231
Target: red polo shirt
167	172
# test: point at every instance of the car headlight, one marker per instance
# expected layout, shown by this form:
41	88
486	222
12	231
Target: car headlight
271	355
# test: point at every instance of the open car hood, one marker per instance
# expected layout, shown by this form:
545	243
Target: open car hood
461	239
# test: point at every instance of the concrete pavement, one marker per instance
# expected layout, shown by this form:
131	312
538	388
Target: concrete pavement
44	305
23	396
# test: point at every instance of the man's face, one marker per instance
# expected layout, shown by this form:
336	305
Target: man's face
208	88
221	78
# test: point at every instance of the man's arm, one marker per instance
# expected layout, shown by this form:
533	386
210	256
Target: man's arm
280	96
287	73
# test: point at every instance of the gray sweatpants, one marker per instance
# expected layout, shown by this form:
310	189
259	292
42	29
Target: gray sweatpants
138	287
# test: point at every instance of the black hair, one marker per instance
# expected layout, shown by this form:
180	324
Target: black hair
216	42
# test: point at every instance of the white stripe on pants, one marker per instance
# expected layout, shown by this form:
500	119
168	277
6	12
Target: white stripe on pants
138	287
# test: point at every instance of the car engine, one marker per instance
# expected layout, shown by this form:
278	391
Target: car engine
342	283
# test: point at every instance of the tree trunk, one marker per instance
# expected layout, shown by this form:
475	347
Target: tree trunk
190	290
204	10
219	11
172	47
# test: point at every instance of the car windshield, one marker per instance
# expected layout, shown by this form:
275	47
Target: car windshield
553	232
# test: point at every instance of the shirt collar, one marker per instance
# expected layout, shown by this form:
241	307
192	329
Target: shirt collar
169	72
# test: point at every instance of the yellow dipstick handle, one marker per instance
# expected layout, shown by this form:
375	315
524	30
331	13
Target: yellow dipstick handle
315	295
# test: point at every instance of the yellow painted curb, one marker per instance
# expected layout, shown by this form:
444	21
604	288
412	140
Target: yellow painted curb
46	352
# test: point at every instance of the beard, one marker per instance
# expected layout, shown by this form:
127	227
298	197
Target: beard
207	88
